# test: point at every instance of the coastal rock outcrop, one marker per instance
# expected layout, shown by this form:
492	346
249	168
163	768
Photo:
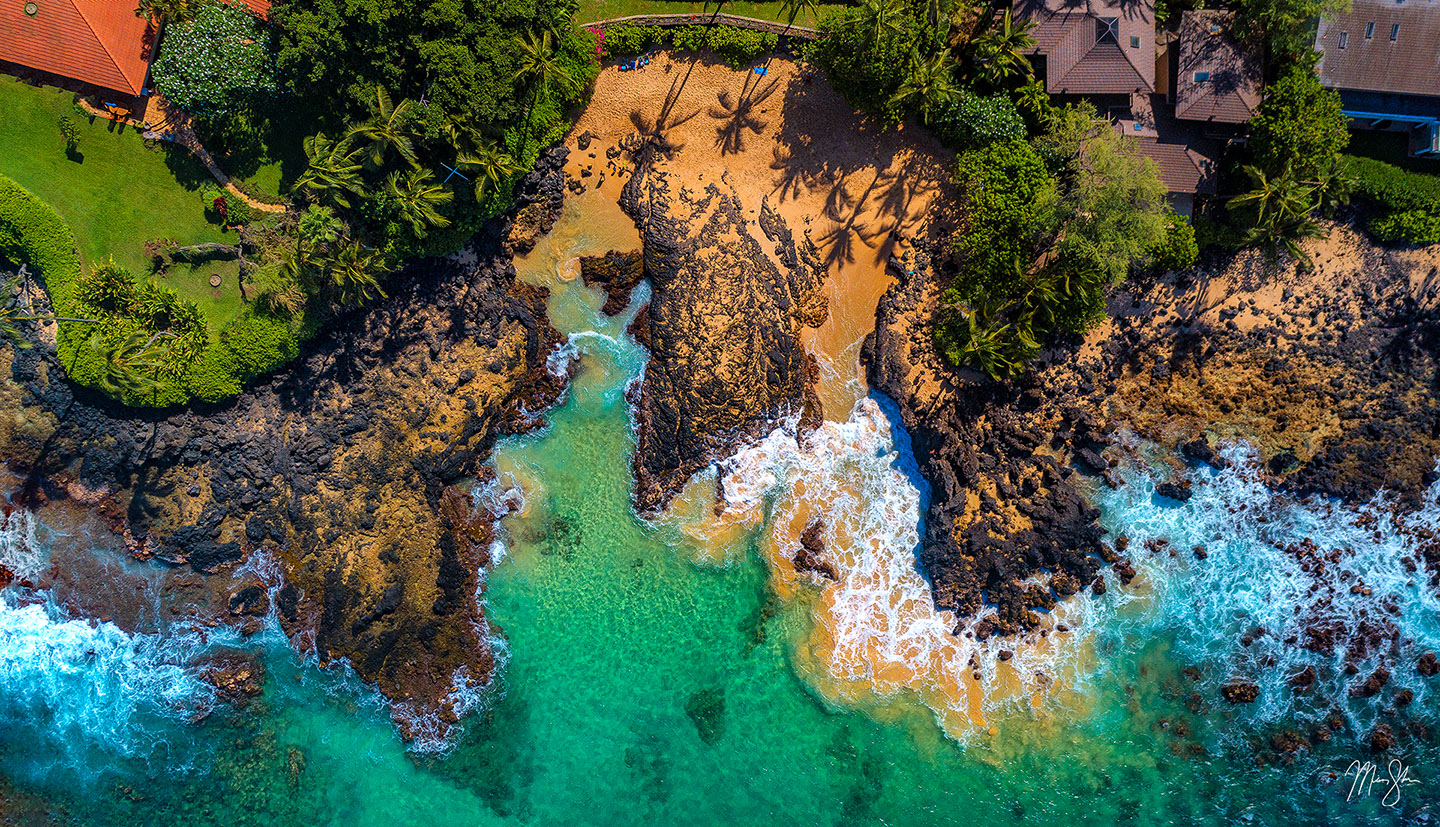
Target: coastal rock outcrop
722	327
349	468
1003	509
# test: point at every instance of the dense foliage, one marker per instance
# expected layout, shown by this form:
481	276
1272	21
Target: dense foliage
1177	248
1285	28
972	121
1406	204
1299	126
736	46
1047	227
866	53
215	63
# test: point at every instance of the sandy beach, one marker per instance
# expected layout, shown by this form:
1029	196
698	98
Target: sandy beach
858	191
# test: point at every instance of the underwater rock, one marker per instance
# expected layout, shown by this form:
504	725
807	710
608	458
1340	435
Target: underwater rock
238	678
722	327
706	710
1373	684
1240	692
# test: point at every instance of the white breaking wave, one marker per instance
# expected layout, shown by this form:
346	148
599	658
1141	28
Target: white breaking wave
74	693
20	550
879	636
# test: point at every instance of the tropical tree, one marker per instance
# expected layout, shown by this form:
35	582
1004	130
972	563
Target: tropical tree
541	68
1299	125
132	366
176	11
999	53
929	85
418	197
491	167
332	174
354	274
883	17
1277	210
319	225
387	129
794	8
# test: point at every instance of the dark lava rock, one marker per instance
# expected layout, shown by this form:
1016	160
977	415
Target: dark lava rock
726	361
1240	692
1199	450
811	556
345	464
617	274
1092	461
1373	684
1288	741
706	709
1174	490
1428	665
250	599
1382	738
238	678
1303	679
1404	697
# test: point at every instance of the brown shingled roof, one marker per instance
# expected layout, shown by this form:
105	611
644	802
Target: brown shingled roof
100	42
1078	60
1230	89
1409	64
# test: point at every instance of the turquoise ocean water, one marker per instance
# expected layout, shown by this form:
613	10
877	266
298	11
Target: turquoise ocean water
676	673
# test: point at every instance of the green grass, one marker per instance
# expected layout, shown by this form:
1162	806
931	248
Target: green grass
591	10
115	194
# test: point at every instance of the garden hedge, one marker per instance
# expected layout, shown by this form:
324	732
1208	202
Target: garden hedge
33	233
734	45
1407	203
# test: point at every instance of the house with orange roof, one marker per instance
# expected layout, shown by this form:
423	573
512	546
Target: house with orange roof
99	43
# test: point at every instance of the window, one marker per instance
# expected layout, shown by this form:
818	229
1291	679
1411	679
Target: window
1107	30
1134	42
1394	32
1344	38
1201	77
1370	30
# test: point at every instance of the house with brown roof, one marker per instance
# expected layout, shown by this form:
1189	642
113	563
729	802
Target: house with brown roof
1384	58
1093	47
1216	80
100	43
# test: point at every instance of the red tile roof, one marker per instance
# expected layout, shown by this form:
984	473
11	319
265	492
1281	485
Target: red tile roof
100	42
1077	62
1218	81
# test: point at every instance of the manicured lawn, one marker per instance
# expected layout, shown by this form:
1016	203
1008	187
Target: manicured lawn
605	9
116	193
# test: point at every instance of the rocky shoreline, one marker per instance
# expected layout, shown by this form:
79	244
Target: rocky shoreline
349	467
1332	374
722	327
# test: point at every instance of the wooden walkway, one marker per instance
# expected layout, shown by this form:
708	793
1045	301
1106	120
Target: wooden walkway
701	19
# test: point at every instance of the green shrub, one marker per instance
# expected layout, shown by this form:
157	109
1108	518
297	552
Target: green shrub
738	47
258	344
1211	232
217	61
32	233
69	132
1408	227
689	38
1391	187
973	122
1176	250
1407	203
211	380
237	209
864	69
628	41
108	288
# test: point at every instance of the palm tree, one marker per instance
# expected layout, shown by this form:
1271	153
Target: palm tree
929	84
1332	188
387	129
794	8
354	274
175	11
332	174
132	366
419	197
540	67
1278	211
491	166
883	16
319	225
999	53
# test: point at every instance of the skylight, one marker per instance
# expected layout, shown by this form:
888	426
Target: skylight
1107	30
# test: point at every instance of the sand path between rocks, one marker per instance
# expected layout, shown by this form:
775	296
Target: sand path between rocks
860	192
